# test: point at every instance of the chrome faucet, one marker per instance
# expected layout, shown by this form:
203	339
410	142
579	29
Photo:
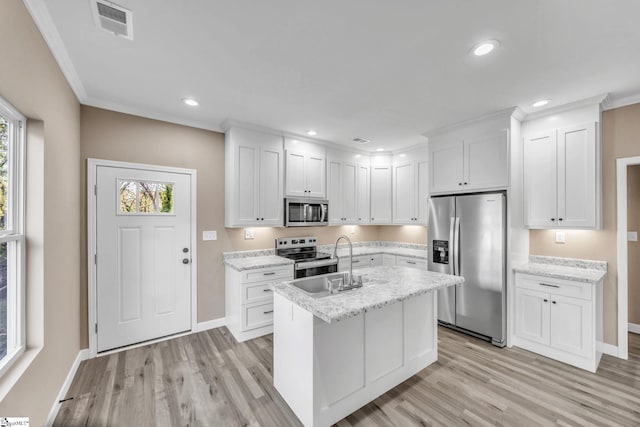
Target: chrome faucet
350	283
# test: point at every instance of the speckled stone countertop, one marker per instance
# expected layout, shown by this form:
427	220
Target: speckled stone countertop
564	268
263	258
382	286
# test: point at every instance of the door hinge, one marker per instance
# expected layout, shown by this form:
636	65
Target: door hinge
96	328
95	190
95	259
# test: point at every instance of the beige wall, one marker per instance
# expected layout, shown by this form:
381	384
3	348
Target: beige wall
620	138
31	80
633	224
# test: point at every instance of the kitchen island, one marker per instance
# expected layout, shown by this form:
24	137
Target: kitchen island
334	354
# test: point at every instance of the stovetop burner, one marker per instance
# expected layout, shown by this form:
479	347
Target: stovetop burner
299	249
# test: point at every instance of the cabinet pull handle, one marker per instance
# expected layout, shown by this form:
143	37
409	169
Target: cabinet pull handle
546	300
267	312
410	262
267	290
356	261
548	285
271	273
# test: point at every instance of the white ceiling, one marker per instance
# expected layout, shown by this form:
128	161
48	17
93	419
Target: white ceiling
385	70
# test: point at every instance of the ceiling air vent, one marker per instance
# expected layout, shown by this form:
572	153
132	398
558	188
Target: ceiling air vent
113	18
361	140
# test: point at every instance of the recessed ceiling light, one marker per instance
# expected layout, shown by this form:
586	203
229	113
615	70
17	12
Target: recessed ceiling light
312	132
541	103
379	149
485	47
357	156
403	155
191	102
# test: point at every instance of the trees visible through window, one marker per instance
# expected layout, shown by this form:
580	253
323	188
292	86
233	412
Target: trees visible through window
11	235
145	197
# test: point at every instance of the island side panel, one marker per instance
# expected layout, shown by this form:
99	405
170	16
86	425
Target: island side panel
293	357
421	328
384	341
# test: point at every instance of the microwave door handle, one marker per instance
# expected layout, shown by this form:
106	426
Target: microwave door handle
323	212
305	210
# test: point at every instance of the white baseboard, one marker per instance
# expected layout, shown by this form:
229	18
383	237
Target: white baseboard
82	355
210	324
634	328
610	349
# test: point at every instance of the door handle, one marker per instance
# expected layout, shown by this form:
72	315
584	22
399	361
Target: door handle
456	247
452	265
185	260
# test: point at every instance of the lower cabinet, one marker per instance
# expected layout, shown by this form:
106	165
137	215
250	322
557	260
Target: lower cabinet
411	262
560	319
249	300
386	260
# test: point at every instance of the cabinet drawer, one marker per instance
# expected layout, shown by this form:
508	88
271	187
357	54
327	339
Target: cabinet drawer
256	316
410	262
263	274
555	286
256	293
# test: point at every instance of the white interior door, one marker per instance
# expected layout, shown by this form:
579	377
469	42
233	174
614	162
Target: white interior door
143	259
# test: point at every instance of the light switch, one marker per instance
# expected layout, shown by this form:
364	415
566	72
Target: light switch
210	235
248	234
559	236
632	236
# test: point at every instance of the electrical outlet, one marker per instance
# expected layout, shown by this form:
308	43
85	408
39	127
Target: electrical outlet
560	237
210	235
632	236
248	234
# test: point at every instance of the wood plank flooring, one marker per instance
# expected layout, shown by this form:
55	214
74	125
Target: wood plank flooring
208	379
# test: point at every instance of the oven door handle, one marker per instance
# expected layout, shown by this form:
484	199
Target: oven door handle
313	264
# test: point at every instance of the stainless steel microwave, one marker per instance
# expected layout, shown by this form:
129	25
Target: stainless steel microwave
306	212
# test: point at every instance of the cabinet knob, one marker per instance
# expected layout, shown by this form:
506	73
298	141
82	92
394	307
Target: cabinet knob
257	219
459	183
559	219
553	219
546	300
553	302
359	219
465	183
261	219
372	219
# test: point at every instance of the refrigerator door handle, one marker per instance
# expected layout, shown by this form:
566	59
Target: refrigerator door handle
456	246
452	245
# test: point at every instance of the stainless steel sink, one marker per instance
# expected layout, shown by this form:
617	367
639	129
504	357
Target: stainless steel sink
318	286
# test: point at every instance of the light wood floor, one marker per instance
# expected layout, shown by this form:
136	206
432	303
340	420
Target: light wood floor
207	379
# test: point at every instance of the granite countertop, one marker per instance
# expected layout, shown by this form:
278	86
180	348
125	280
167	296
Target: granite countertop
263	258
382	286
564	268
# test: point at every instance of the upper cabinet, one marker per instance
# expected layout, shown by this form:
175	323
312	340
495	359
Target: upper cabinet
305	169
253	178
381	191
348	188
410	190
469	161
561	177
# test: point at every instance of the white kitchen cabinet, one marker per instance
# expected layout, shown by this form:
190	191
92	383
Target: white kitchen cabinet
561	172
376	260
249	300
253	178
410	189
305	169
363	194
560	319
381	195
388	260
411	262
473	162
343	191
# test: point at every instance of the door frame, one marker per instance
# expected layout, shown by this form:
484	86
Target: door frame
623	273
92	175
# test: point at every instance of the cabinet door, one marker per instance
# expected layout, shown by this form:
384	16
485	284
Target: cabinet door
404	194
271	200
335	193
247	179
571	325
486	162
388	260
314	176
422	183
532	315
381	194
349	192
446	166
363	195
540	188
376	260
577	186
295	185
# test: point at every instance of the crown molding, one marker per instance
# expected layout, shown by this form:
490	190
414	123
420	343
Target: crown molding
617	102
594	100
507	112
38	11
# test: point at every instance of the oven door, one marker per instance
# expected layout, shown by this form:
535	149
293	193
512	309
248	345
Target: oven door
315	268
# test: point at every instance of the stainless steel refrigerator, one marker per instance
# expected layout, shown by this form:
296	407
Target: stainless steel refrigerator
467	237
